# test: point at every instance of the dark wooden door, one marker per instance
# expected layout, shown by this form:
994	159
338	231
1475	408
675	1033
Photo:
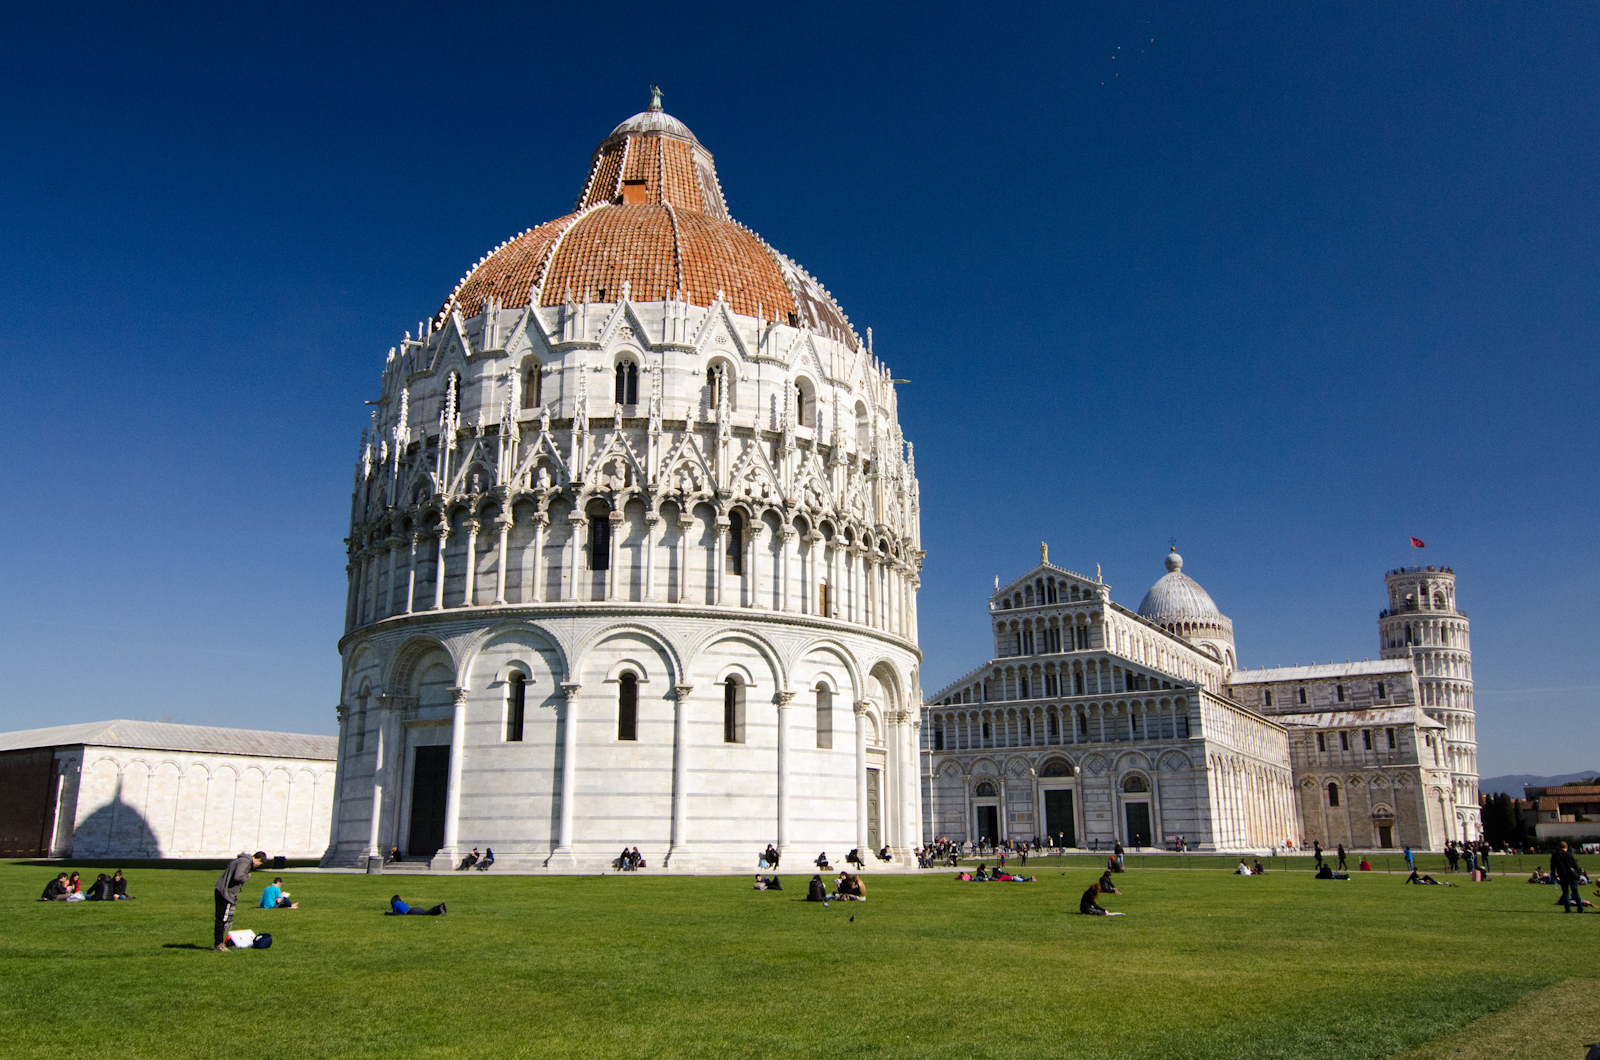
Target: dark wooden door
1138	824
1058	818
874	829
989	824
430	785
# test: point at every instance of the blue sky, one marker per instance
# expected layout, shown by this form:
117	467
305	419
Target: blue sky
1287	283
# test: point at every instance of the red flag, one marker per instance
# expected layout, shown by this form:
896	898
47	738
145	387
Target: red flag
1416	542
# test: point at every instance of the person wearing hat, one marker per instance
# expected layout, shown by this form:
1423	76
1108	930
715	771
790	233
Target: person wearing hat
229	884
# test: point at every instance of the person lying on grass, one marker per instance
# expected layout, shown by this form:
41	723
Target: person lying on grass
399	908
1326	873
1418	878
767	883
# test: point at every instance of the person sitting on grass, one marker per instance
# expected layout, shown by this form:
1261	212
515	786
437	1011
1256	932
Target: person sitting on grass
817	891
849	887
100	889
1260	869
119	887
74	885
1088	904
1365	866
1105	884
273	896
1326	873
56	889
399	908
982	874
1243	869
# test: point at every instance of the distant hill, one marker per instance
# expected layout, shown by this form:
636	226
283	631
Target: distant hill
1513	783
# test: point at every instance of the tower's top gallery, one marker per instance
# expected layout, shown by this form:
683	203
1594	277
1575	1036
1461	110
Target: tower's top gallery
651	219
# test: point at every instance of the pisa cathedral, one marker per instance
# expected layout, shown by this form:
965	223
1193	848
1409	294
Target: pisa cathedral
633	552
1092	724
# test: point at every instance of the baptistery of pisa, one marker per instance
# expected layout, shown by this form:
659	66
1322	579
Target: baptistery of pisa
633	553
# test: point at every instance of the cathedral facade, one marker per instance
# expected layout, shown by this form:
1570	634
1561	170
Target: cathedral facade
633	553
1092	724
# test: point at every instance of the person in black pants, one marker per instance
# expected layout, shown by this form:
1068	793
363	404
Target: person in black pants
1316	851
1564	867
1342	866
1087	904
233	878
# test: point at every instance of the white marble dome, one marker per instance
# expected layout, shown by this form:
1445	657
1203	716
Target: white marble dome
1179	604
633	553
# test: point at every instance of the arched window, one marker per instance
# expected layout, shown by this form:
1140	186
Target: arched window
627	391
1135	784
983	789
863	429
600	541
825	718
716	386
1382	691
628	707
516	706
532	386
732	710
735	556
1333	794
802	415
1056	767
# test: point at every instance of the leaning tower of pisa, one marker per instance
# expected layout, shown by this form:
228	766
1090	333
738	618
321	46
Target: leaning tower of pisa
1423	624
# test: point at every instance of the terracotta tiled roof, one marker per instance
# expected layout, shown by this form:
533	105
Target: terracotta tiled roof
651	214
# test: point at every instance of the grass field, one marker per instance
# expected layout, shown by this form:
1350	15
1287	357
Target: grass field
1205	964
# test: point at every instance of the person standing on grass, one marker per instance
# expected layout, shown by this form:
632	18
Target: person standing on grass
1450	855
229	884
1316	851
1342	866
1411	862
1564	867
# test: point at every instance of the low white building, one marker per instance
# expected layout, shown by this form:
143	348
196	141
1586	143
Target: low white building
141	789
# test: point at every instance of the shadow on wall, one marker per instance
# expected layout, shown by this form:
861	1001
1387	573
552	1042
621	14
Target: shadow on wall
115	829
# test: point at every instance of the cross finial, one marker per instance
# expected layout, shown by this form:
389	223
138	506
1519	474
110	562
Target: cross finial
655	97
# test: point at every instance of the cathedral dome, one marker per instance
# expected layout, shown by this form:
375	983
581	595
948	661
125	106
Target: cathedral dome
651	221
1177	597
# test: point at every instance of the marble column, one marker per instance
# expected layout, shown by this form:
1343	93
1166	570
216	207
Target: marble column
411	574
470	592
680	772
504	525
685	524
652	526
861	775
569	766
438	578
782	700
611	554
579	539
533	592
785	537
721	559
452	801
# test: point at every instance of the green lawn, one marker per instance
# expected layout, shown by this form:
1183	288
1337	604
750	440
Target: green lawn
1205	964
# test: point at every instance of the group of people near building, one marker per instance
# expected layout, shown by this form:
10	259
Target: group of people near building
474	860
630	860
68	887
